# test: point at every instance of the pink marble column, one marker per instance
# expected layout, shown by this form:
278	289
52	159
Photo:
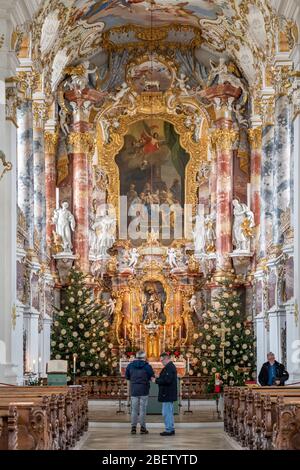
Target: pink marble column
81	140
223	138
51	141
255	139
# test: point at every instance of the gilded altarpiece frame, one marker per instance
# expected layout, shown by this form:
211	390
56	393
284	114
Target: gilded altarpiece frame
151	105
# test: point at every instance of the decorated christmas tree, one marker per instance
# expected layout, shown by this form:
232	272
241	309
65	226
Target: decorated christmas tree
81	331
224	342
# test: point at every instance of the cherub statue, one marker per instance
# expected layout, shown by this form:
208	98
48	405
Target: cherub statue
182	80
172	258
133	258
121	93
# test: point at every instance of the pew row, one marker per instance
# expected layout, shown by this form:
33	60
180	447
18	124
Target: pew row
257	417
48	418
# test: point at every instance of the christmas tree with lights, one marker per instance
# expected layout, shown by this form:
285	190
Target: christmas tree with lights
81	331
224	342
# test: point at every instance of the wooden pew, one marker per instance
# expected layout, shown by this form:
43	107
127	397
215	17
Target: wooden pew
67	410
9	429
286	430
250	414
32	429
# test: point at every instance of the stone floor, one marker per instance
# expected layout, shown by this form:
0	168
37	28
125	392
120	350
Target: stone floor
203	411
200	430
116	436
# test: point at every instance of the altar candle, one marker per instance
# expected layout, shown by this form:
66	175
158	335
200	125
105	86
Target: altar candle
141	335
249	195
164	336
120	366
33	365
125	333
74	363
40	364
188	365
172	334
180	334
57	198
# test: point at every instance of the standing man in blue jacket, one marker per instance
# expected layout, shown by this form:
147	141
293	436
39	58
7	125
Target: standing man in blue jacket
139	372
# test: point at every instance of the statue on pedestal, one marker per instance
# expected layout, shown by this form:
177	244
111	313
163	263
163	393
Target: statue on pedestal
103	237
65	223
210	232
199	233
243	224
172	258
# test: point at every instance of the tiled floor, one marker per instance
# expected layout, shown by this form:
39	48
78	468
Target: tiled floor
106	411
200	430
201	437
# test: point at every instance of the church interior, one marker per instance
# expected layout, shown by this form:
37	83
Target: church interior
149	201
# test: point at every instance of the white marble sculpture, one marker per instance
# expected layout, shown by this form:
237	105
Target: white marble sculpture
243	223
65	225
105	228
193	303
121	93
63	121
133	258
182	80
172	258
110	306
199	232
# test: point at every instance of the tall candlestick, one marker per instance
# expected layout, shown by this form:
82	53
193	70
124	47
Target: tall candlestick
141	336
180	334
125	333
164	342
249	195
40	365
172	335
74	363
120	366
33	365
57	198
188	365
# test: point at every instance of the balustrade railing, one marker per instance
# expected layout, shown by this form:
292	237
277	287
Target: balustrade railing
113	388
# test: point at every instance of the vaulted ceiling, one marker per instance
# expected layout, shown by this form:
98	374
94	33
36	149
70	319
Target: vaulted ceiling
248	32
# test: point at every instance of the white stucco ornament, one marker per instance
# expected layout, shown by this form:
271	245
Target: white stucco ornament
59	63
49	31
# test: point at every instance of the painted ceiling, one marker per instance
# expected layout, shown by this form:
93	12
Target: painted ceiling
68	31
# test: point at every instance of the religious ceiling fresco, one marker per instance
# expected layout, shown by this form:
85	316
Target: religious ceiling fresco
69	31
148	12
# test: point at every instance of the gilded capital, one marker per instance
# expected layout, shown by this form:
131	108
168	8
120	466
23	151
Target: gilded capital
255	138
51	141
224	139
82	142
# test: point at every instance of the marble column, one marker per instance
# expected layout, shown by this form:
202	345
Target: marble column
25	165
267	188
255	139
39	202
224	140
51	140
282	164
81	141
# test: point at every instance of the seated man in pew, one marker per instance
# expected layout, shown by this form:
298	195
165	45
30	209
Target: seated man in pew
272	372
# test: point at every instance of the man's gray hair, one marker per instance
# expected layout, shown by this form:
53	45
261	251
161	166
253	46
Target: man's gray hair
270	354
140	355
